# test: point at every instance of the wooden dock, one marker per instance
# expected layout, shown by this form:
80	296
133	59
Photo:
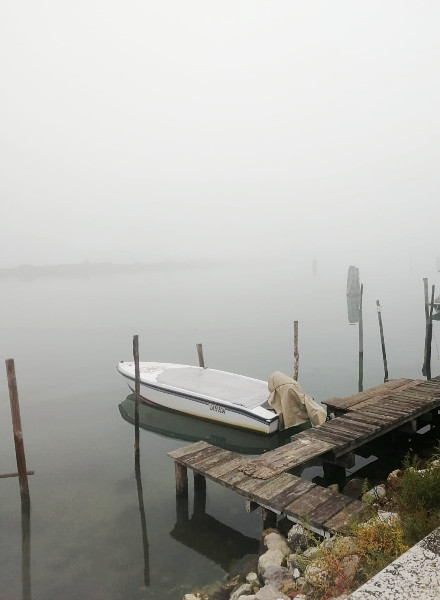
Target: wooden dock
265	482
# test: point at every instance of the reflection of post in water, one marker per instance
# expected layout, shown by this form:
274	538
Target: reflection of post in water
137	463
361	343
137	469
203	533
26	546
137	387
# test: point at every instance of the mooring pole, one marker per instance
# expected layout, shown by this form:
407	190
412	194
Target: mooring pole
361	343
295	350
425	290
18	433
137	389
382	340
429	337
200	353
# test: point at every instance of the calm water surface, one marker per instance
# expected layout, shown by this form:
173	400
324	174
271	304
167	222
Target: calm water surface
67	335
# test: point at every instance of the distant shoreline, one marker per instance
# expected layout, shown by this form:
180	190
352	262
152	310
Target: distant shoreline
102	268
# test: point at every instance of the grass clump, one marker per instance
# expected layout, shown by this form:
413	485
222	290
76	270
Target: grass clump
417	499
379	543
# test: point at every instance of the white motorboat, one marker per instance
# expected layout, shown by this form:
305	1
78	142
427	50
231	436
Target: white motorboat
230	399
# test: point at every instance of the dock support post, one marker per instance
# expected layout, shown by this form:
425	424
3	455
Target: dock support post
199	494
200	353
181	492
137	388
361	343
18	433
295	350
382	341
181	479
269	518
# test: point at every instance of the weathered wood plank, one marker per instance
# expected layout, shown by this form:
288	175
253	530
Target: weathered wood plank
306	503
351	421
284	458
374	412
213	460
341	521
186	450
328	509
379	390
232	478
191	460
328	436
291	494
277	486
337	426
217	471
365	418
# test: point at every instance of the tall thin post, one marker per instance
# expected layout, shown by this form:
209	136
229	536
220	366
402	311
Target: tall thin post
425	290
429	336
382	340
200	353
295	350
18	433
361	343
137	389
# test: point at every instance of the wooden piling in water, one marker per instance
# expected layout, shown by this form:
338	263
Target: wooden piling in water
137	392
361	343
425	290
295	350
17	429
200	353
181	479
199	494
382	341
429	337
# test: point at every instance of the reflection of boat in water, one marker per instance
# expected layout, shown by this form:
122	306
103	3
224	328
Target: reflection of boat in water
210	394
184	427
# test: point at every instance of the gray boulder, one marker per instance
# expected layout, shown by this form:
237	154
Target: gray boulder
269	592
275	541
243	590
276	576
297	537
270	558
354	488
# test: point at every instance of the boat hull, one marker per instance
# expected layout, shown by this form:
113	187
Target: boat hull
204	408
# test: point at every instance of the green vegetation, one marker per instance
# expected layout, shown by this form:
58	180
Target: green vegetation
417	498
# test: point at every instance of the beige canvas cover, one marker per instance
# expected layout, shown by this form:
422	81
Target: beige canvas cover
291	403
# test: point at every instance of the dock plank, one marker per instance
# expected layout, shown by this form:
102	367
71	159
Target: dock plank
186	450
341	521
220	470
274	487
297	489
328	509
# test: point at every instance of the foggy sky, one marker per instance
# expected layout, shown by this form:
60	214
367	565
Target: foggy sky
183	129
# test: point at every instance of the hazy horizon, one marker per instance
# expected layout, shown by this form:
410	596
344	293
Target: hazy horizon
168	131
